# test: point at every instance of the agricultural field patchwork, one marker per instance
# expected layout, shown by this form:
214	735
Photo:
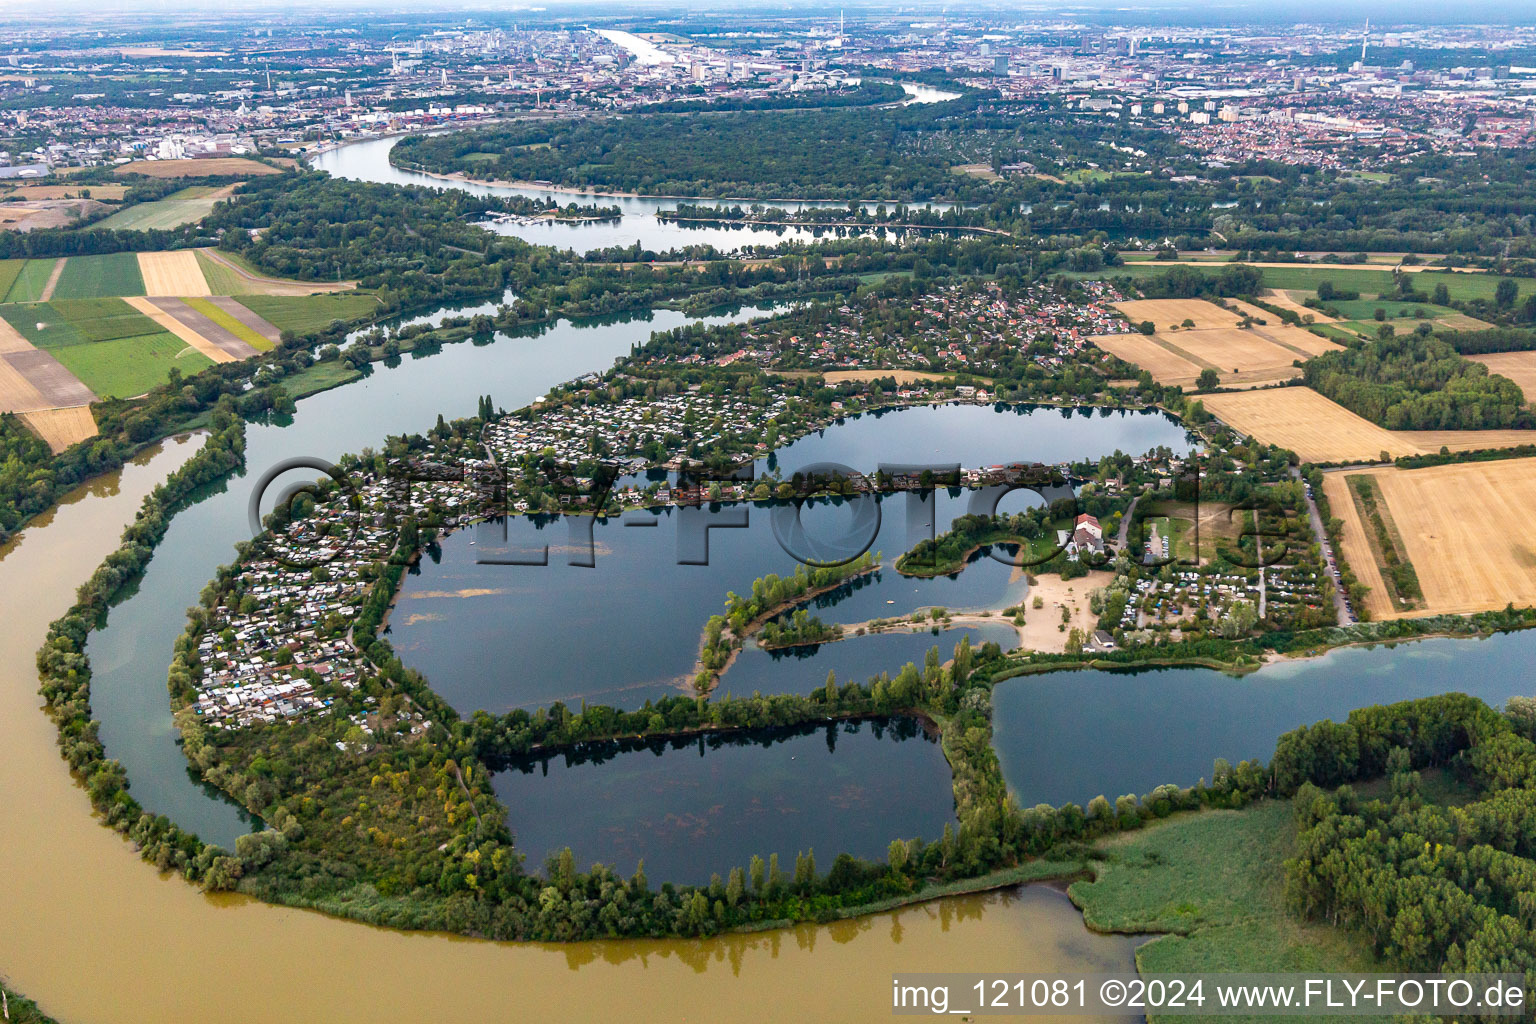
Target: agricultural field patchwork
126	367
30	280
233	324
1195	335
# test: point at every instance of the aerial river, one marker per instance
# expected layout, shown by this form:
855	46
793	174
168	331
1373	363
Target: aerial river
96	935
638	221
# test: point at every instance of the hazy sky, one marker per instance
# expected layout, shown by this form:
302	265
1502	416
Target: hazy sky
1178	12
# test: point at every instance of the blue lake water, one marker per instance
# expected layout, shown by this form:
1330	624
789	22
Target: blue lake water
1070	736
691	808
130	655
626	630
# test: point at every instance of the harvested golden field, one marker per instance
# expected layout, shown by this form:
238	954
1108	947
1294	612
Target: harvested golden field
110	193
172	273
11	339
1459	524
17	393
61	427
1431	441
218	166
1308	424
1235	353
1166	313
1355	547
1319	430
1288	300
1519	367
1252	357
1165	365
1297	339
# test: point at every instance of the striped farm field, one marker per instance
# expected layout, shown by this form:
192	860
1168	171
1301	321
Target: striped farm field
65	322
1165	365
168	323
94	277
28	284
1444	515
245	333
127	367
172	273
17	393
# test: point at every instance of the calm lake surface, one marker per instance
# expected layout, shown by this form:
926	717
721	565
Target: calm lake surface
692	808
77	952
130	655
498	636
1070	736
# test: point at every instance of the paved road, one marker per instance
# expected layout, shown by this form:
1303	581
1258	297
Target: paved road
1125	526
1340	605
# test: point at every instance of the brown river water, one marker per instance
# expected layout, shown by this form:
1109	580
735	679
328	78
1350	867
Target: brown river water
96	935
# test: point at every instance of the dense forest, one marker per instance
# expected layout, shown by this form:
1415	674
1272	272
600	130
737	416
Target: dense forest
831	155
1435	885
1095	177
877	153
415	244
863	94
1417	382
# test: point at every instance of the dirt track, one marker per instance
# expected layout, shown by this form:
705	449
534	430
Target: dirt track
277	286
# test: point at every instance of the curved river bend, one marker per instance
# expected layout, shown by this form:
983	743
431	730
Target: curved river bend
95	935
